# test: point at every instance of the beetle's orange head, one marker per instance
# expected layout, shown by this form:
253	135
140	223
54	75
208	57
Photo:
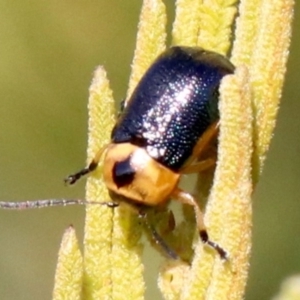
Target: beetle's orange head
130	172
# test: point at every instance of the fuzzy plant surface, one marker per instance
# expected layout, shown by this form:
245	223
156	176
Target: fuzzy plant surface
255	35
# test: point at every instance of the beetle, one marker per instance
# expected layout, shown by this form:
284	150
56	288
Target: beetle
166	125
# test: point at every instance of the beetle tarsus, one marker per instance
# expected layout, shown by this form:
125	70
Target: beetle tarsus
73	178
112	204
205	239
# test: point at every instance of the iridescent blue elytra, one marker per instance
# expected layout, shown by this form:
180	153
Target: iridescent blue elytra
173	104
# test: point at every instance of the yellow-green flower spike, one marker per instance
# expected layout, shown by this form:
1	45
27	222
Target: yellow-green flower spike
186	24
268	70
99	219
247	26
228	213
112	259
204	23
290	289
151	39
216	19
263	39
172	278
69	270
127	270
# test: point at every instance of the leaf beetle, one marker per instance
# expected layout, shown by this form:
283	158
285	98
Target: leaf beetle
167	124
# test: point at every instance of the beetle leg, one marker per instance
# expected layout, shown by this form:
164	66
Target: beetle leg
122	106
71	179
205	141
199	166
187	198
160	241
203	144
157	238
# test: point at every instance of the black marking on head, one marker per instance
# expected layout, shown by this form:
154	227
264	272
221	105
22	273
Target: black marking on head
123	174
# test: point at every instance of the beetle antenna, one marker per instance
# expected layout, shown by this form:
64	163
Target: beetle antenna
30	204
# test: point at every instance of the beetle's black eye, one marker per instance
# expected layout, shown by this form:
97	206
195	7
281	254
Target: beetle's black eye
123	173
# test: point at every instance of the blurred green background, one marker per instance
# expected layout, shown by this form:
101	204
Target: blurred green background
48	51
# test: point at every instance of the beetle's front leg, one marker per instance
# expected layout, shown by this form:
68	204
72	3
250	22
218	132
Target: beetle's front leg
156	237
187	198
71	179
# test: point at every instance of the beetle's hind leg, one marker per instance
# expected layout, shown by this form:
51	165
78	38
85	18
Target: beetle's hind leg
71	179
204	155
187	198
199	166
